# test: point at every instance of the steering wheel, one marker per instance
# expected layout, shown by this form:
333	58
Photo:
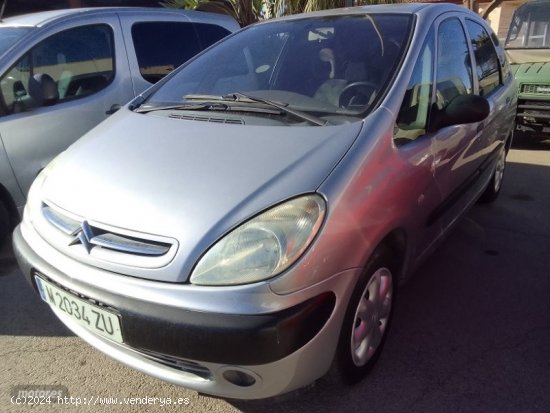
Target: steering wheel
357	94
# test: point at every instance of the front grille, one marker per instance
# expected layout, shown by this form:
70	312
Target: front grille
536	89
177	363
230	121
95	236
533	113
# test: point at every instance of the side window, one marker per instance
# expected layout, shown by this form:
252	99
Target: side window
413	115
454	69
14	86
163	46
503	60
68	65
487	63
210	33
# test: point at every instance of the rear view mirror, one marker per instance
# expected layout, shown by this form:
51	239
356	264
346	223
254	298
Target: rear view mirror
461	110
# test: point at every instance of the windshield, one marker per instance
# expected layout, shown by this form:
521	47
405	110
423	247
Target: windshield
10	35
530	27
328	67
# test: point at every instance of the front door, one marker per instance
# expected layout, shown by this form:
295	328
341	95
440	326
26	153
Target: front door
58	90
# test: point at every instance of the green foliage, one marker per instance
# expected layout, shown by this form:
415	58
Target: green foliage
180	4
250	11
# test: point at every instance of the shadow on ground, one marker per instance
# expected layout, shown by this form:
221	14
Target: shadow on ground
533	143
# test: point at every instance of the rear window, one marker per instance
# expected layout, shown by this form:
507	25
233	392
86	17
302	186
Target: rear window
163	46
487	61
210	33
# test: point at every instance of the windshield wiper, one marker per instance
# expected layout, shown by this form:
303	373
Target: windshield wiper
180	106
209	106
245	98
241	97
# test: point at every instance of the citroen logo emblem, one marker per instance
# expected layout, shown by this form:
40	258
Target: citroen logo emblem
83	235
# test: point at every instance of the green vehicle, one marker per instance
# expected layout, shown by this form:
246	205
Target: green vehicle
528	49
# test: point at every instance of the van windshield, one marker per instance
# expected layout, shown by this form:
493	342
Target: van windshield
324	66
10	35
530	27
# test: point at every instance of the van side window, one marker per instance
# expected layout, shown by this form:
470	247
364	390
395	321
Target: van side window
163	46
487	62
413	115
68	65
210	33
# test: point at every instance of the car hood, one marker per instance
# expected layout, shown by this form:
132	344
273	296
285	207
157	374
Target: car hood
532	73
520	56
189	180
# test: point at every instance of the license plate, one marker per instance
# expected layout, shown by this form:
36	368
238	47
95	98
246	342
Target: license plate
90	316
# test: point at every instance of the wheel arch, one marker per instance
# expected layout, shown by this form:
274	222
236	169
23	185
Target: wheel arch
396	242
9	204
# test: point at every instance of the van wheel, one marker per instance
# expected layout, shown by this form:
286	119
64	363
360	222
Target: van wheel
367	318
495	185
4	222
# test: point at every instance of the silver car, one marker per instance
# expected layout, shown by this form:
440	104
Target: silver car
241	229
62	72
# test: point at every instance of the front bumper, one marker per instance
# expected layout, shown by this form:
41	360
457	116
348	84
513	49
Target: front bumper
237	352
533	115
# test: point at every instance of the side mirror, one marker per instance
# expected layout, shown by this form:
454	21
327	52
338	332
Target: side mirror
43	89
460	110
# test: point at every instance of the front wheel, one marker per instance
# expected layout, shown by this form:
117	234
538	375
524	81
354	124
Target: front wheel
495	185
367	319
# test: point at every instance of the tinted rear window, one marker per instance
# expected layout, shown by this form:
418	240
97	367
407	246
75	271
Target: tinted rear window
163	46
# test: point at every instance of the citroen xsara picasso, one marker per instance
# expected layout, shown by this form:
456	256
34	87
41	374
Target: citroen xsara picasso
241	228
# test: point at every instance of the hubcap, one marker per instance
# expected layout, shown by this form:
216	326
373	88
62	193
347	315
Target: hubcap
499	170
371	316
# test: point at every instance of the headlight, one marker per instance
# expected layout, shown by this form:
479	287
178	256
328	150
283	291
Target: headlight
264	246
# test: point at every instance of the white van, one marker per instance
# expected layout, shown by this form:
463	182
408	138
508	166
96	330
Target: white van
62	72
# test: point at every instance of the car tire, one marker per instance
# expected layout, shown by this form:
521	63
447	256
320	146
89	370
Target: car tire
4	222
495	184
367	319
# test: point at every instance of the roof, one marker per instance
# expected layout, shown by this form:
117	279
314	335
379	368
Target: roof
45	17
405	8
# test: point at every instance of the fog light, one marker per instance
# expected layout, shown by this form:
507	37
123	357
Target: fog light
239	378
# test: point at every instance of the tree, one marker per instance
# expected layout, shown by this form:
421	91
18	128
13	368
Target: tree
250	11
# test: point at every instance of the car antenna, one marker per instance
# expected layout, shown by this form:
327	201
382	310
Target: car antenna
2	9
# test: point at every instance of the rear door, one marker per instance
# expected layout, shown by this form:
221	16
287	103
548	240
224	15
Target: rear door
85	62
495	83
